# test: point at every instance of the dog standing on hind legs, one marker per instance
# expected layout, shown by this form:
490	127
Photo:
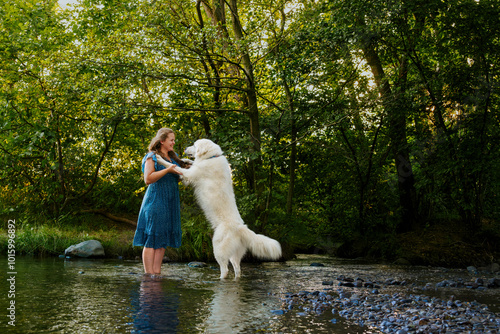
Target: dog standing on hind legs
210	176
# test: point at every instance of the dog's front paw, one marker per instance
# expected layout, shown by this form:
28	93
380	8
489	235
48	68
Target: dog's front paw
162	161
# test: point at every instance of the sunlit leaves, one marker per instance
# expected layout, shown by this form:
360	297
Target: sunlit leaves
84	89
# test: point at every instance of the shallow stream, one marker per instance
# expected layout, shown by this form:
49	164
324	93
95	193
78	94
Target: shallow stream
54	295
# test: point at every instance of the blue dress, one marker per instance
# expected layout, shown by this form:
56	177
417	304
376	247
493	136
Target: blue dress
159	223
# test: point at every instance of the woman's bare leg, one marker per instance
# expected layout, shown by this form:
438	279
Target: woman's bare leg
158	260
148	260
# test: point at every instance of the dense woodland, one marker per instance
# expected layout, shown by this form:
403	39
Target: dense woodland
343	121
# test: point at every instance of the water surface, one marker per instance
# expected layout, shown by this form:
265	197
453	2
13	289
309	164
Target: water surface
54	295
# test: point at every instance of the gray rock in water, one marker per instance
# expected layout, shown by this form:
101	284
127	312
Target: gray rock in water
494	283
196	264
89	248
317	264
472	269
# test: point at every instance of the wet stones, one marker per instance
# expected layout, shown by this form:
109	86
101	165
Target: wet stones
359	282
365	302
478	283
397	313
475	283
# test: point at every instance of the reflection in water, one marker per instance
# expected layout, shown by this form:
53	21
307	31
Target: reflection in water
155	306
241	306
225	309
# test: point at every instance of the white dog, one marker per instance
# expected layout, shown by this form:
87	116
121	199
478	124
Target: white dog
210	176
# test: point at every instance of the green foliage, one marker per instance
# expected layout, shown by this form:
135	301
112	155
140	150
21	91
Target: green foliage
313	102
196	239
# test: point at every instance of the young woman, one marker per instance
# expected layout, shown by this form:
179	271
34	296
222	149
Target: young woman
159	223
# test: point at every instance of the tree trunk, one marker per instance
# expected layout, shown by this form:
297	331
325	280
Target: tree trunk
397	132
255	162
293	151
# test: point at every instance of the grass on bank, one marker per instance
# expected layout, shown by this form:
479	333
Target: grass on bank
51	237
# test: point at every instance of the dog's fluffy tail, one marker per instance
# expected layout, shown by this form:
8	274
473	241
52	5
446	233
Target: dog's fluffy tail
261	246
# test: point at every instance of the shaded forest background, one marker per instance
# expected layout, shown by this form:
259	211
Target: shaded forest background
356	128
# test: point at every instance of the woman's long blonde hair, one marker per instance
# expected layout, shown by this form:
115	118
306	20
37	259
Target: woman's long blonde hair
155	145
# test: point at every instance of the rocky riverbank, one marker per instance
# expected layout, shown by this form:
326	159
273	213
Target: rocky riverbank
395	305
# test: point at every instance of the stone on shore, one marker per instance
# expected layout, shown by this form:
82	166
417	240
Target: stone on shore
89	248
402	262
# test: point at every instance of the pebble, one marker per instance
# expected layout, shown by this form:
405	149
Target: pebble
196	264
317	264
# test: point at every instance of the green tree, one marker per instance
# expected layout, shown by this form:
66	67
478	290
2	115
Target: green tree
61	118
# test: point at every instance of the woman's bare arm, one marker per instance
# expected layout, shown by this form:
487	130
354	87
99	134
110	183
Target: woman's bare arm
151	176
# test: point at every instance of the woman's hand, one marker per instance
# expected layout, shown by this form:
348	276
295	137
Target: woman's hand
151	176
172	169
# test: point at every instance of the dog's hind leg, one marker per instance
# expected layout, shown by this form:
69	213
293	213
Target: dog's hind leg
222	250
224	270
236	267
236	261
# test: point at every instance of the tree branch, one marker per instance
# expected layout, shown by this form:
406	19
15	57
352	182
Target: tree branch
110	216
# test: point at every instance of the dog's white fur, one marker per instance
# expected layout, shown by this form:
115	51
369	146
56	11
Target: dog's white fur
210	176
